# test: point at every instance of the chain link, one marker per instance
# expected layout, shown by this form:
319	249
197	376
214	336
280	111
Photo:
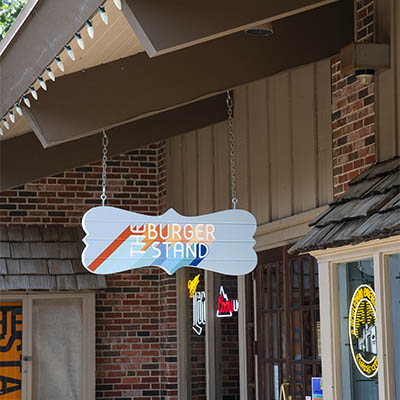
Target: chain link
229	104
103	196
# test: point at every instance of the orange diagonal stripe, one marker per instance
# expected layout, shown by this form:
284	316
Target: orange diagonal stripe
110	249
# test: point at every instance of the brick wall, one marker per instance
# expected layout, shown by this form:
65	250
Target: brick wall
353	111
136	181
136	342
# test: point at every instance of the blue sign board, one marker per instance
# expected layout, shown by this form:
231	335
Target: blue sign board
316	384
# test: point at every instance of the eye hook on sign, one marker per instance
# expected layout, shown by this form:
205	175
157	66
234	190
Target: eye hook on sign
103	196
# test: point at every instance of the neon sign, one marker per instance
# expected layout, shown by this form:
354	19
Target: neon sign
199	305
118	240
199	312
192	285
225	306
362	331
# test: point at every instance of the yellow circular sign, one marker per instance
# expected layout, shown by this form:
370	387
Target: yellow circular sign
362	331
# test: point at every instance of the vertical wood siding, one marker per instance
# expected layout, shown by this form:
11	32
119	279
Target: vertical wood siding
283	150
388	82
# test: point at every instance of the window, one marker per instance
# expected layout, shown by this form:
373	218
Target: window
353	279
47	343
358	336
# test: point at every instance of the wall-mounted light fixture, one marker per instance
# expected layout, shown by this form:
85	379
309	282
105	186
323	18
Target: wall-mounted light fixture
364	60
365	76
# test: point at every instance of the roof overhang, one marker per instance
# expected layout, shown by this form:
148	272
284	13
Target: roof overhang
165	26
45	28
23	159
82	103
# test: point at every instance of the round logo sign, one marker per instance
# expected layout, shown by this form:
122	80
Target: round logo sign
362	331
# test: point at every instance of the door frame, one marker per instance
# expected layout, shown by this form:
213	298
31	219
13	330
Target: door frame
88	338
328	260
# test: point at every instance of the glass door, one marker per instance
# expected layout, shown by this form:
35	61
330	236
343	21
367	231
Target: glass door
288	352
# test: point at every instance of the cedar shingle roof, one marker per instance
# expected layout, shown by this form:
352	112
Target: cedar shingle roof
36	258
369	209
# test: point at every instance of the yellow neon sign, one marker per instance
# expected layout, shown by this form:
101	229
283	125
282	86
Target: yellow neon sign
192	285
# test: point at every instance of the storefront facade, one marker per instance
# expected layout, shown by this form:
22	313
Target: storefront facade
301	135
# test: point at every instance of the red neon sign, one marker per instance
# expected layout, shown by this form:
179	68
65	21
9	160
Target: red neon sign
225	306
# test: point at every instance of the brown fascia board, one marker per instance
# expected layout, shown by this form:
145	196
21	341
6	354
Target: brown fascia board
23	159
83	103
44	33
165	26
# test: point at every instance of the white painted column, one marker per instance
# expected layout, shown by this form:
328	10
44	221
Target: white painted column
384	328
241	284
330	330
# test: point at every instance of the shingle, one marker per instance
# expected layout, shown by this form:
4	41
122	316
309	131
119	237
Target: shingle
386	183
89	281
3	268
358	191
45	250
32	234
80	233
34	267
16	282
60	267
15	233
2	283
78	267
13	267
3	234
391	220
352	209
383	168
66	282
5	250
50	235
101	282
42	282
21	250
80	247
69	250
392	204
67	235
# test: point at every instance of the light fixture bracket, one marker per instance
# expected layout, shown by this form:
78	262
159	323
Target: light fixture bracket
365	56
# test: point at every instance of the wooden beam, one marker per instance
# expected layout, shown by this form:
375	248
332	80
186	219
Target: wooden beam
23	159
82	103
171	25
41	37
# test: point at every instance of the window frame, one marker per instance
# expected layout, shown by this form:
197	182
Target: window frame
328	260
88	345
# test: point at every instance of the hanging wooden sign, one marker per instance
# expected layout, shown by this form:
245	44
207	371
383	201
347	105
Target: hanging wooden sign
118	240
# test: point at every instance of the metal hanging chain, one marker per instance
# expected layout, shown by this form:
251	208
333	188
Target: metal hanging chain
104	165
229	104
